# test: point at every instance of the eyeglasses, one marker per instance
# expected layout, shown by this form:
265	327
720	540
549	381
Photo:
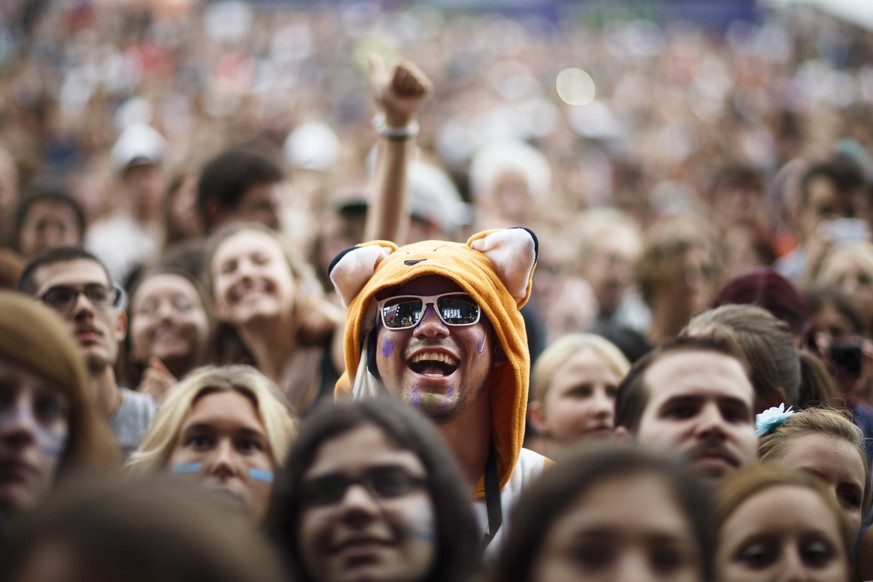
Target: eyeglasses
380	483
405	311
63	297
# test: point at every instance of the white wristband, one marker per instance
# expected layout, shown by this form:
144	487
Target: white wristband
395	133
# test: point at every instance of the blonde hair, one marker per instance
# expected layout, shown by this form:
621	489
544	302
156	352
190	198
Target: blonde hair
738	487
860	253
561	350
824	421
163	435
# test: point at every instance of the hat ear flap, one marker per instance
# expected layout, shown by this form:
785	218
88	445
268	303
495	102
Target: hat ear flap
513	252
350	270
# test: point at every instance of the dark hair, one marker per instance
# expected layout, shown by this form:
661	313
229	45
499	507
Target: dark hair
845	174
139	531
632	396
584	468
457	537
736	175
27	282
817	386
766	288
229	175
819	296
46	192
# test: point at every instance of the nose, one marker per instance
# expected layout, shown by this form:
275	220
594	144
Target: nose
430	324
358	505
710	421
791	568
633	565
223	462
602	405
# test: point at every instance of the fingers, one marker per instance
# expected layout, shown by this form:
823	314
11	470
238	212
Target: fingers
157	381
378	75
409	81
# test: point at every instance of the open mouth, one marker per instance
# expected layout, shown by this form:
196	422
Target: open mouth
433	364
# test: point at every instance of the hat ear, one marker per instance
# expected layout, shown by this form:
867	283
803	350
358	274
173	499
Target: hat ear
350	270
513	252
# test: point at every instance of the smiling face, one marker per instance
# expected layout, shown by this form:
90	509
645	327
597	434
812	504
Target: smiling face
223	443
364	535
438	368
767	538
700	406
580	401
98	330
836	462
252	279
48	224
168	321
34	421
627	528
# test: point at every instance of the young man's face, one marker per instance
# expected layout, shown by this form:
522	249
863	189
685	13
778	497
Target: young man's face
97	328
700	405
261	203
825	202
435	367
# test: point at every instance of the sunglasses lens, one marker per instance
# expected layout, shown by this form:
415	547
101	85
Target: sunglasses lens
405	312
460	310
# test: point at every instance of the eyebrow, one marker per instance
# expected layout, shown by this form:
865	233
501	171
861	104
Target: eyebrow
206	427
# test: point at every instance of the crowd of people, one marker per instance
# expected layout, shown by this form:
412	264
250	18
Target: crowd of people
580	302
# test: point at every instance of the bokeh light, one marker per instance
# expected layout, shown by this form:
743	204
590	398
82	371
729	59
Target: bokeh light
575	87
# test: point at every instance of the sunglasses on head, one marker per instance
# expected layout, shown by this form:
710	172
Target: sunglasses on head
64	297
405	311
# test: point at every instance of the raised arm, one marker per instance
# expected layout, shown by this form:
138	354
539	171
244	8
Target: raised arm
400	93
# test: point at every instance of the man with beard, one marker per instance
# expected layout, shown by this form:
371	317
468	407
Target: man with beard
691	395
76	284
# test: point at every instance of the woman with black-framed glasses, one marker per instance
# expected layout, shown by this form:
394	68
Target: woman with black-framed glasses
371	491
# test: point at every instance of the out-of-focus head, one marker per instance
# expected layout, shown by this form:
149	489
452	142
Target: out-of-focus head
611	513
230	427
608	244
764	535
76	284
849	267
137	158
830	189
826	443
691	396
137	531
509	179
49	423
48	216
240	185
371	491
574	384
170	319
766	344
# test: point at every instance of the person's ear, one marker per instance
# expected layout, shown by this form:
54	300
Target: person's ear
622	435
215	215
536	415
121	325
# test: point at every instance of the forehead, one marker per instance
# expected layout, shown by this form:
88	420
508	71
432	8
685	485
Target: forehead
428	285
75	272
246	241
225	406
51	207
697	374
359	449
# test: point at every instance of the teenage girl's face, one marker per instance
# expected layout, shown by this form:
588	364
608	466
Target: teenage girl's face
627	528
768	538
378	524
168	320
252	279
34	424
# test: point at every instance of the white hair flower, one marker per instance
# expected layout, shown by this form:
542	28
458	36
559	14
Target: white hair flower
771	418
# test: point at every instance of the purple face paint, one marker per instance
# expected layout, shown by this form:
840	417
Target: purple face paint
416	397
387	348
481	344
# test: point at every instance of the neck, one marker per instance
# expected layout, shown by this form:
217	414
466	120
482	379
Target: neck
271	343
665	324
467	438
107	391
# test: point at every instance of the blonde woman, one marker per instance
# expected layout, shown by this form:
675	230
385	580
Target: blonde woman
229	427
574	383
849	267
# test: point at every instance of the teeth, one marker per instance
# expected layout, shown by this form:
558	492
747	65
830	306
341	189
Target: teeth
440	357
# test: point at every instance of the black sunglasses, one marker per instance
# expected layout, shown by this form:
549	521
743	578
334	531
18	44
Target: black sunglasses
64	297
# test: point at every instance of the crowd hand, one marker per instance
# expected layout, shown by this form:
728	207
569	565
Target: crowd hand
399	93
157	381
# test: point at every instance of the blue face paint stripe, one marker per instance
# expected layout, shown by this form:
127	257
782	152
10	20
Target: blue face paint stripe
261	475
187	468
50	442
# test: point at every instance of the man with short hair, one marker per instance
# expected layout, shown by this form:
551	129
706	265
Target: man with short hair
438	325
240	184
691	395
76	284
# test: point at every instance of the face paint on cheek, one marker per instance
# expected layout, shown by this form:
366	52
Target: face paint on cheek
387	348
184	468
51	443
481	344
261	475
421	524
416	397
